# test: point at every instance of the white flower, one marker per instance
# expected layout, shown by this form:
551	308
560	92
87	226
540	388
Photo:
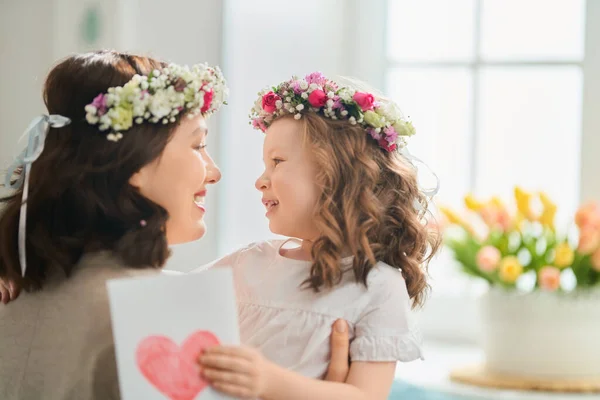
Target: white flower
105	120
303	85
300	107
278	104
288	99
92	119
312	86
329	103
114	137
389	110
160	104
330	94
304	95
352	120
344	112
297	116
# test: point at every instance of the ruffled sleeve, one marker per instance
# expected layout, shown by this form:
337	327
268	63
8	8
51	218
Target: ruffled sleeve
385	331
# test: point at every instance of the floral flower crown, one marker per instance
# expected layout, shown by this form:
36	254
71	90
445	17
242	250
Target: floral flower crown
381	118
158	97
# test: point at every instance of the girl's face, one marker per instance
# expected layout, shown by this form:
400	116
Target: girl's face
177	180
288	184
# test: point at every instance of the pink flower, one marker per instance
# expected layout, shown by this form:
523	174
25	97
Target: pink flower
588	216
337	103
100	103
488	258
496	217
258	123
317	98
316	77
296	87
504	220
595	259
390	134
374	134
589	240
387	145
208	97
268	102
549	278
364	100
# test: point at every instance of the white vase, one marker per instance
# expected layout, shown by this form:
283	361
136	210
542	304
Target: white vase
540	334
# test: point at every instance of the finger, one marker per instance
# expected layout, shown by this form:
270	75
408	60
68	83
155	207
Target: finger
224	362
233	390
233	351
217	375
4	293
14	290
340	347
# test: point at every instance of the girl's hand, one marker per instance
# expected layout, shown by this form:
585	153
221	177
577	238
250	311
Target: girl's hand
238	371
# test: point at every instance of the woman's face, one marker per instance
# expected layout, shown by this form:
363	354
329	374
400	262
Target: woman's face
177	180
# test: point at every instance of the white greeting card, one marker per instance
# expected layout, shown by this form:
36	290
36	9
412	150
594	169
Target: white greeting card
162	323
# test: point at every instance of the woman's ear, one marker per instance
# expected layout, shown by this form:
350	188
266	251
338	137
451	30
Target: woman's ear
137	179
140	178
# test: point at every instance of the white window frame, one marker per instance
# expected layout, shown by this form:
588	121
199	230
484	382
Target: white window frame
452	314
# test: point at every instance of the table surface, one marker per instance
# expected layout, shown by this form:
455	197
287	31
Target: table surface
440	358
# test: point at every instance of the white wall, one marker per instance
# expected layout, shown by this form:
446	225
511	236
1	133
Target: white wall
267	42
590	139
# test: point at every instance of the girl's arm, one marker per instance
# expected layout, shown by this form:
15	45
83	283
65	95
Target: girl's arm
366	381
243	372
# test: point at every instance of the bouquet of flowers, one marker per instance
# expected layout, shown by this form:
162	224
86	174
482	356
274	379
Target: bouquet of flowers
503	246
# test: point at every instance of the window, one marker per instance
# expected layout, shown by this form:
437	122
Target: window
494	88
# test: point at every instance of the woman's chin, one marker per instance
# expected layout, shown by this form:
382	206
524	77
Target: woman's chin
190	235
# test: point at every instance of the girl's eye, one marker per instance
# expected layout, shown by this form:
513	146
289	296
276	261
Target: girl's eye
276	161
199	147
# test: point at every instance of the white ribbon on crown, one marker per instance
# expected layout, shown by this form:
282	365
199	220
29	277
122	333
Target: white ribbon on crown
36	133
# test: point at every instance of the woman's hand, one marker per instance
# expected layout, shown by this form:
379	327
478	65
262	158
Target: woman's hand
339	364
8	291
237	371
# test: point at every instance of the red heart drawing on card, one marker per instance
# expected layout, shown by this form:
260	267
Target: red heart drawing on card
172	369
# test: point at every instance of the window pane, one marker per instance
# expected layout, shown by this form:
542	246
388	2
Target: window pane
532	29
530	132
438	101
430	30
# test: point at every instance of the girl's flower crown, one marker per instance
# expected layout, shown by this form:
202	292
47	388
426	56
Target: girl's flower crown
158	97
381	118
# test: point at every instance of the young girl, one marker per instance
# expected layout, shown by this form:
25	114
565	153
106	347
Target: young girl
335	179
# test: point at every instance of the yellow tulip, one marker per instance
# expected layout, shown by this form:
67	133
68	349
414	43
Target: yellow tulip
549	211
497	202
472	203
523	199
518	222
510	269
451	215
563	255
456	219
